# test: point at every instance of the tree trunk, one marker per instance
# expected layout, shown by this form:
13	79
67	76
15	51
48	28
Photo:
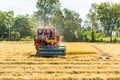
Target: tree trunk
110	38
111	35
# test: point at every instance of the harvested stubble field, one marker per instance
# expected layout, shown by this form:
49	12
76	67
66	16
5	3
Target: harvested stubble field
80	63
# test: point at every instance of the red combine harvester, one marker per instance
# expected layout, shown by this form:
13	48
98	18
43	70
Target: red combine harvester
47	42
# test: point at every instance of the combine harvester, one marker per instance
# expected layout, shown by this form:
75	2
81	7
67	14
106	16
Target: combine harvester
47	42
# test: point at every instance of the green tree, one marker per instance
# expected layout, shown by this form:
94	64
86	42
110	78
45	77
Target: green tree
46	9
72	25
10	22
92	17
58	21
109	15
23	26
93	35
6	21
92	23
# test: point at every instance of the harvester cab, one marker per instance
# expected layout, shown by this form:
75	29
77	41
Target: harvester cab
47	42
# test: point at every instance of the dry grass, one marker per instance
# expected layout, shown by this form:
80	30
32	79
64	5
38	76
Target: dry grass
15	64
26	48
16	48
110	49
79	48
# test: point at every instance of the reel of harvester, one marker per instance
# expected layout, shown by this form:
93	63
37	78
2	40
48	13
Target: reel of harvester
47	42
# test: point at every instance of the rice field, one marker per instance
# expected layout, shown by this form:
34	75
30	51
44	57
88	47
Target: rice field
109	49
82	62
79	48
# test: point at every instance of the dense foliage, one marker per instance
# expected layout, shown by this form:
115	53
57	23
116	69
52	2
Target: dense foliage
102	23
15	28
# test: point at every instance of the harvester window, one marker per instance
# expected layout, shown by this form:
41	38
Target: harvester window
40	31
43	35
51	34
40	36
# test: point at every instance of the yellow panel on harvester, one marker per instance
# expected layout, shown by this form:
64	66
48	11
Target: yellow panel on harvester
51	39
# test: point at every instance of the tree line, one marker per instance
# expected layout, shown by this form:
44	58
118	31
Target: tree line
102	23
15	28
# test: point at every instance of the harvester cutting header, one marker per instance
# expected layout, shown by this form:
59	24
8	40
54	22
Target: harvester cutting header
47	42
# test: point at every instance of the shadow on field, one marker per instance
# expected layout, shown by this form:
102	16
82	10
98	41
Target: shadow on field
46	56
